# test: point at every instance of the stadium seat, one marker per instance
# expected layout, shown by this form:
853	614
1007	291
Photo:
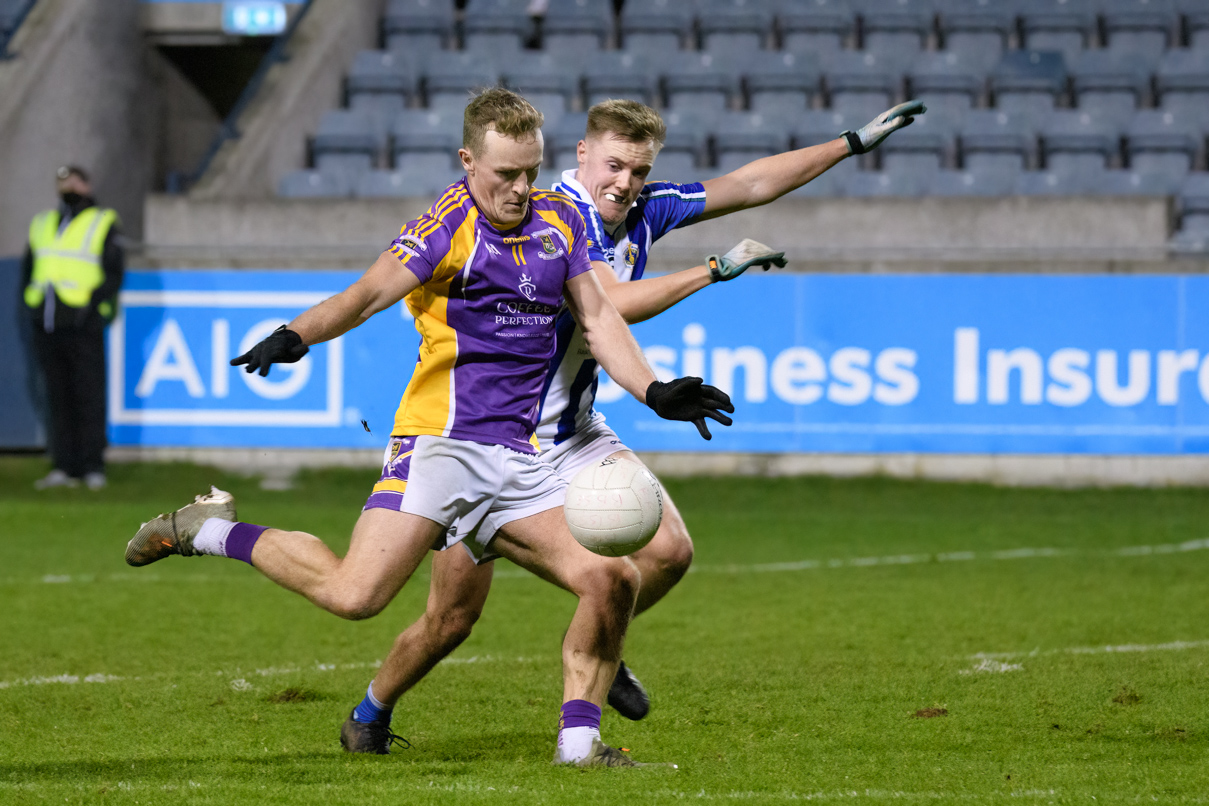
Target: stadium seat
418	26
618	74
1065	26
450	77
314	185
978	31
781	82
413	180
1109	84
1196	22
563	137
1131	183
496	26
656	25
817	126
947	82
1075	142
686	145
733	26
345	142
927	145
544	80
1028	82
896	30
859	83
1192	205
1163	143
816	27
997	141
413	146
1182	83
969	183
577	26
879	184
1140	26
698	82
1051	183
740	137
380	84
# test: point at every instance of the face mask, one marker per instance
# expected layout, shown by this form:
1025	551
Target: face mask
71	199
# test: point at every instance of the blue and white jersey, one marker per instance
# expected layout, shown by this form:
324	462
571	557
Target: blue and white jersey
571	383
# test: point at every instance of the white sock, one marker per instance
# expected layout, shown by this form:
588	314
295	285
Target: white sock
212	537
575	743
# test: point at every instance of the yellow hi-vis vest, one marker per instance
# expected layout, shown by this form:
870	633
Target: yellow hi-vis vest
69	263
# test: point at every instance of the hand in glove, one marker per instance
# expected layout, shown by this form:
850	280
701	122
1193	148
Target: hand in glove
746	254
869	136
279	347
691	400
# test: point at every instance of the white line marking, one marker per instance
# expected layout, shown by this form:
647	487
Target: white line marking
1171	646
239	677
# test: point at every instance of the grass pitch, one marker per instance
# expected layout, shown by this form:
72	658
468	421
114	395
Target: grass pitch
864	640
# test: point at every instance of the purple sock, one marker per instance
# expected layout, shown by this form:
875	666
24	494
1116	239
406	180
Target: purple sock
242	538
579	714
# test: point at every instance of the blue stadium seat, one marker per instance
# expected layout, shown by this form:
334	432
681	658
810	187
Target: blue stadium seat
979	31
896	30
314	185
1074	142
619	74
380	85
740	137
1109	84
577	26
997	141
1192	205
732	26
879	184
781	82
859	82
415	179
816	27
927	145
698	82
1140	26
1196	22
418	26
1131	183
450	77
1065	26
686	146
1051	183
1028	82
345	142
496	26
947	82
1182	83
817	126
1163	143
970	183
656	25
563	137
415	146
545	81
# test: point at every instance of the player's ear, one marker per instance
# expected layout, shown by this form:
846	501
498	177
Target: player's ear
467	160
581	152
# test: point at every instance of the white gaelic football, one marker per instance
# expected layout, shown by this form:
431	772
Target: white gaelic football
614	507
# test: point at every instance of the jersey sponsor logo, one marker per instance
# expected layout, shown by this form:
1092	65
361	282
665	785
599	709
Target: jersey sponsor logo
515	239
527	288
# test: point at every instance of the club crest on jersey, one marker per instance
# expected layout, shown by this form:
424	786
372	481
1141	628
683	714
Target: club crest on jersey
631	255
550	249
548	244
528	288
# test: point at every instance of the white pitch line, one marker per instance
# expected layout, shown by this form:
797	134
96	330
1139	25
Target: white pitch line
1109	649
238	676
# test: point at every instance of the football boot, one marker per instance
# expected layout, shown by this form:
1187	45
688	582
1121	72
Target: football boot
173	532
369	737
627	696
601	755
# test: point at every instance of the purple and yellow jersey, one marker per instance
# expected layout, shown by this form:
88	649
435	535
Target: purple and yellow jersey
485	312
660	208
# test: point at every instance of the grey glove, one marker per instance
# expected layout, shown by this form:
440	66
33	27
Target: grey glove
746	254
870	136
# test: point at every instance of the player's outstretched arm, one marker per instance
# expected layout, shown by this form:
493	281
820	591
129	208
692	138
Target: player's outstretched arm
614	347
639	300
764	180
383	284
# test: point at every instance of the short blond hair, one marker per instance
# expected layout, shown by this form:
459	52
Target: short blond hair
629	120
501	110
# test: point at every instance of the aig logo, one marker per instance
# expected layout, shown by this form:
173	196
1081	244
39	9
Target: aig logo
170	357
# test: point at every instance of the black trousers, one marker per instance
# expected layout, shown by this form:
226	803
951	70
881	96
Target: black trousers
73	361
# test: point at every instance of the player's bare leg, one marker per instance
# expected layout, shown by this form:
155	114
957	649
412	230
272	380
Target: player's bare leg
607	589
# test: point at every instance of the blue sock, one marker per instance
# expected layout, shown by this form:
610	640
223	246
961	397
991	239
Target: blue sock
370	709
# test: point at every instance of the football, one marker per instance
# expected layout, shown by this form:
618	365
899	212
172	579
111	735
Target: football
614	507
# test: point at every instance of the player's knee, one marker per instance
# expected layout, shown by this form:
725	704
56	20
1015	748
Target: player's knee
673	549
453	626
356	605
616	582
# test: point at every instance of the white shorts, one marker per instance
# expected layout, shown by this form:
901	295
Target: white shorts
593	443
463	486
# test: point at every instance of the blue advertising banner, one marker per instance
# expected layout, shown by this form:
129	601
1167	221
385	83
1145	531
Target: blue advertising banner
814	363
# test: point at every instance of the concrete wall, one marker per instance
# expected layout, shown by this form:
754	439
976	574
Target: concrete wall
77	92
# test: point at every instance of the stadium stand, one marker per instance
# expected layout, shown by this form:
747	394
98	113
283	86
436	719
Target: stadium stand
1028	97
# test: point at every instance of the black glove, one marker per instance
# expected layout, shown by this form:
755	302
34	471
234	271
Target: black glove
279	347
691	400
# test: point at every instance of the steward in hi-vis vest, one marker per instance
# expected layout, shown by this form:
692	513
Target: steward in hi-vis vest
72	273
